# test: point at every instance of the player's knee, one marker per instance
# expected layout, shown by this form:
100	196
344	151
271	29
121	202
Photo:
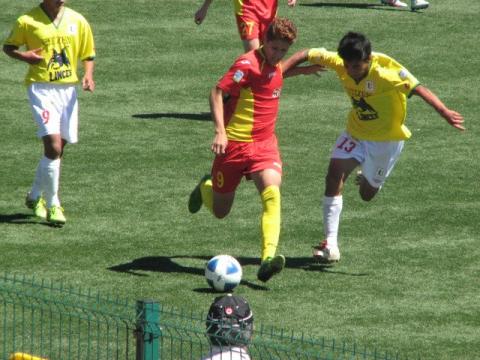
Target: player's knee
368	194
220	213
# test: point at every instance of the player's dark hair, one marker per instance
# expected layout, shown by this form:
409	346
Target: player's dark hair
354	46
281	29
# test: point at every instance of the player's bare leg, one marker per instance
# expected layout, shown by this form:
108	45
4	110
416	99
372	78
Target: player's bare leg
367	192
222	204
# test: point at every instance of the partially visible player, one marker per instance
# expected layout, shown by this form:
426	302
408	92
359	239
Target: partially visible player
245	144
253	18
414	4
378	87
55	38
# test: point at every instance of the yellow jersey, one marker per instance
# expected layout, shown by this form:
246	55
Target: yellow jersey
62	44
379	100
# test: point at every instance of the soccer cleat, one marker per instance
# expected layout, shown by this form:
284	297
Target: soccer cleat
38	206
270	266
419	4
195	200
395	3
55	216
325	255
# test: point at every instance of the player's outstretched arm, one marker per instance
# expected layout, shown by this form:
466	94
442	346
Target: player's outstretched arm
202	12
31	57
220	140
289	65
453	118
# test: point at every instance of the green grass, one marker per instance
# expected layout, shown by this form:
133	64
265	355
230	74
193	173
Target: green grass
408	279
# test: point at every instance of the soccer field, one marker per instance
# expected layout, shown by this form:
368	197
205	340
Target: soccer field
408	281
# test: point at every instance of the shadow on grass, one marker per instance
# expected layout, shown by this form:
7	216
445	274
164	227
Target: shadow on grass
374	6
20	219
173	115
167	264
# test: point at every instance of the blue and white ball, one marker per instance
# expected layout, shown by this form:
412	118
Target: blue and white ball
223	273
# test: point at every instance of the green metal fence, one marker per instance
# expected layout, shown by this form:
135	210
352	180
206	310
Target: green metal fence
52	321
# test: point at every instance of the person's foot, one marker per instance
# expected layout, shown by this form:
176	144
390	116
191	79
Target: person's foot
395	3
326	255
55	216
270	266
37	205
195	199
419	4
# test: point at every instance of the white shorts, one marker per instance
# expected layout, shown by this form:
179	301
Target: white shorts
377	158
55	110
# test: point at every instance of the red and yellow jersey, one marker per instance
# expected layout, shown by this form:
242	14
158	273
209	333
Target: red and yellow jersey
379	101
261	9
254	87
62	44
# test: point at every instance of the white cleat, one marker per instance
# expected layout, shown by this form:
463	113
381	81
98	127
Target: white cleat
326	255
419	4
396	3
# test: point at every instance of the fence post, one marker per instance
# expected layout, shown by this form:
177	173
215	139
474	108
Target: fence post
148	330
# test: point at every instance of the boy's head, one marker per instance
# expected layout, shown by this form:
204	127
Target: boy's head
279	36
229	321
355	50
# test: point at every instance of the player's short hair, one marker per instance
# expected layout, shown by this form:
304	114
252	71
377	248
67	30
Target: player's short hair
281	29
354	46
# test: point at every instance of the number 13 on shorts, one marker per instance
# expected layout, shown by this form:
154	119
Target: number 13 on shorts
346	144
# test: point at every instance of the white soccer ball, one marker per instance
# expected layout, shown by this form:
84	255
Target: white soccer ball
223	272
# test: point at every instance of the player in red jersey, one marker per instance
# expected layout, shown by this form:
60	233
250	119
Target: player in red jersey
253	18
245	143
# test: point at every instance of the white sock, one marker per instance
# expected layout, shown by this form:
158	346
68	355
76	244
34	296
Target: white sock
332	208
37	186
51	178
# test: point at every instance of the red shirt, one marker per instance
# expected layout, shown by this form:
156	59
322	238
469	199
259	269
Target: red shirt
254	87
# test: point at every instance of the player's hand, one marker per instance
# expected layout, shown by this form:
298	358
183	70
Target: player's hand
32	56
454	118
219	144
292	3
88	84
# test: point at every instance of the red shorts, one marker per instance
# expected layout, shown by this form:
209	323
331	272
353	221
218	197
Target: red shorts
249	28
254	17
242	159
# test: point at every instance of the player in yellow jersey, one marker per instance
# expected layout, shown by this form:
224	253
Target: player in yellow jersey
55	38
378	87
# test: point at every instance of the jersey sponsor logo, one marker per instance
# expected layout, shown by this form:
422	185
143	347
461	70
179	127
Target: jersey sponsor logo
238	76
276	93
272	74
59	66
245	62
364	111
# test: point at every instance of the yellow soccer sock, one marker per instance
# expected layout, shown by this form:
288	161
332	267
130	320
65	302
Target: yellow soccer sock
206	188
270	220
